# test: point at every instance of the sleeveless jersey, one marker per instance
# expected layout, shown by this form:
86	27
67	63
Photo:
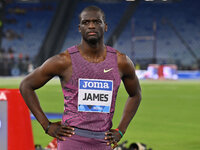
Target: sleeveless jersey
90	94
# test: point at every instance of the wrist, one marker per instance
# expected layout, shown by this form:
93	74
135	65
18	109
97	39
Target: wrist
47	128
119	131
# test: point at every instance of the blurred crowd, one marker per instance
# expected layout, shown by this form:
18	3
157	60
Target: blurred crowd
12	65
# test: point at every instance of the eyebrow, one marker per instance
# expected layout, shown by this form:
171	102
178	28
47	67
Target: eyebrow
95	19
91	19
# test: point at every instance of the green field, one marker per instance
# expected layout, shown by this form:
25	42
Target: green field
167	119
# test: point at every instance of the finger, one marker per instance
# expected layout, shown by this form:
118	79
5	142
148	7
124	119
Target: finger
65	134
109	137
67	131
108	133
111	142
115	145
67	127
108	143
60	138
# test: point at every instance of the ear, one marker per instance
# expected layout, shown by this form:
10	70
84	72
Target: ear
106	27
79	29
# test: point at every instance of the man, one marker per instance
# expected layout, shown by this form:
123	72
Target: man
90	75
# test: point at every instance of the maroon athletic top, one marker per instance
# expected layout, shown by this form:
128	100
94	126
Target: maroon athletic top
95	83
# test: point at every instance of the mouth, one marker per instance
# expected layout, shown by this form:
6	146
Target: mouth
91	33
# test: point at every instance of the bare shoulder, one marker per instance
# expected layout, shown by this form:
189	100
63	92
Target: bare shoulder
60	60
63	59
57	64
123	60
125	65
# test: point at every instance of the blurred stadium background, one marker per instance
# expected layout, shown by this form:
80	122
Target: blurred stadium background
157	35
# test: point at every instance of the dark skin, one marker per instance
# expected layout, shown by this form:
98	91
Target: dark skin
92	48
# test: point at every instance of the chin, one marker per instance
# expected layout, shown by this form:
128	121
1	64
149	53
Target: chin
92	40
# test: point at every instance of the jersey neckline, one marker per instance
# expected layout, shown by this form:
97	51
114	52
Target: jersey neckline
76	46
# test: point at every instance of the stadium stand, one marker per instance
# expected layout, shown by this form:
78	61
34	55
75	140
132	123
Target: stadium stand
24	29
31	25
169	47
177	32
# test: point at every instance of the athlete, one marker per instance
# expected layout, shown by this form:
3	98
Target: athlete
90	75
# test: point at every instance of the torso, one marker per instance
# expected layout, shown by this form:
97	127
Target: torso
80	68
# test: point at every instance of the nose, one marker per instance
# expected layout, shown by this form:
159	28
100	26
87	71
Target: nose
91	25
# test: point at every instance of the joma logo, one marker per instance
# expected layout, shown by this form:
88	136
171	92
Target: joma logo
95	85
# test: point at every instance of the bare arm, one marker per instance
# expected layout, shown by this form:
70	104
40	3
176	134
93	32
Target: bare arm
133	89
55	66
132	86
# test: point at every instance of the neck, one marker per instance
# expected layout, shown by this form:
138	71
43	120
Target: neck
92	49
92	53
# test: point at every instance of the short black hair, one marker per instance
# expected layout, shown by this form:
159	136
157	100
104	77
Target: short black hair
93	8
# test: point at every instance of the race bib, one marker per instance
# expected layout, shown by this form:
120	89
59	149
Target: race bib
95	95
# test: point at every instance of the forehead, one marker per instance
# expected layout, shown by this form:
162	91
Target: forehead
85	15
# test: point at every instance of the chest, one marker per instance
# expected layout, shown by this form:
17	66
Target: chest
102	71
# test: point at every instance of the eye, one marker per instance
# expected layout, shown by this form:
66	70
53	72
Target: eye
85	22
98	21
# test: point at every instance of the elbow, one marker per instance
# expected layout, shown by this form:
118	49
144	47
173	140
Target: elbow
22	86
139	96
